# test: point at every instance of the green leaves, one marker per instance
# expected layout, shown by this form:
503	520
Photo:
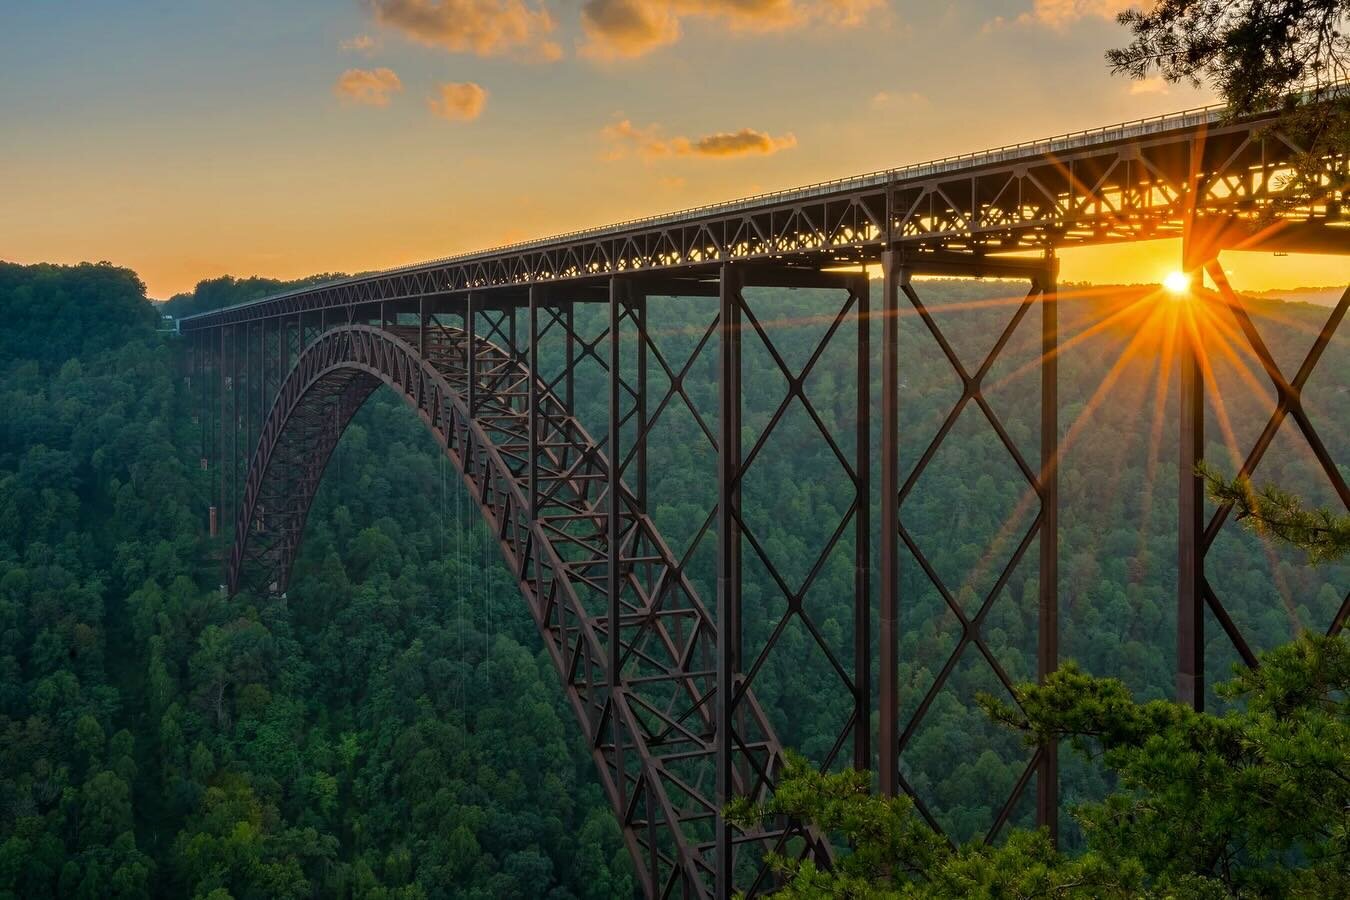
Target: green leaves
1249	803
1278	514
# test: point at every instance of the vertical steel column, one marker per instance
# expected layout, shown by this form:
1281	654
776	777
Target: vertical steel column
1190	512
639	301
234	421
888	686
532	414
262	384
470	356
862	536
612	479
728	565
224	454
422	327
614	580
569	387
247	378
1047	778
204	409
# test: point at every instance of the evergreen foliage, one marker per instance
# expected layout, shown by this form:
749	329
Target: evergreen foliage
1251	803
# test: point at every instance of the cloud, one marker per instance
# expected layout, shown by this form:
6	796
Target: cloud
362	43
623	29
1154	85
482	27
458	101
740	143
368	86
886	99
624	138
1060	14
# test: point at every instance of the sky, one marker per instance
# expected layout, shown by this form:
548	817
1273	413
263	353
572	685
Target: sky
195	138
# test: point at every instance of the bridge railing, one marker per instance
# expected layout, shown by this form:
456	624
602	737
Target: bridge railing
1023	150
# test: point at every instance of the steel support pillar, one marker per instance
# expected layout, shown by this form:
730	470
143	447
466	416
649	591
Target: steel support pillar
203	341
470	360
1190	513
888	649
569	337
862	534
639	306
234	422
1047	645
613	491
422	327
244	398
223	373
532	394
282	328
728	567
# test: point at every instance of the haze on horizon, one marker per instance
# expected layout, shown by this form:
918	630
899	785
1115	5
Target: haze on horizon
191	141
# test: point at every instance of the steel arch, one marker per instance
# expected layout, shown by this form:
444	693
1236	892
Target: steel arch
651	729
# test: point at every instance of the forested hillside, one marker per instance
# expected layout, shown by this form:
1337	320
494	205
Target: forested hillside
372	737
392	728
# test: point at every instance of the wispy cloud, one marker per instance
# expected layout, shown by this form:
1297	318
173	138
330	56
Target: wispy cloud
897	99
458	101
362	43
625	138
1060	14
370	87
623	29
482	27
1154	85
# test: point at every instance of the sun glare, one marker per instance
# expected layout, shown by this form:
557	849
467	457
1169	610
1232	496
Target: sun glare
1177	283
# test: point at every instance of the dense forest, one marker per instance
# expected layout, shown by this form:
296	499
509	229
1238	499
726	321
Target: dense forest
392	728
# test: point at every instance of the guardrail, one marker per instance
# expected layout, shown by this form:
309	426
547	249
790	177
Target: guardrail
1177	121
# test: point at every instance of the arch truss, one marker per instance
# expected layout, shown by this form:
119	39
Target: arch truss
634	645
664	679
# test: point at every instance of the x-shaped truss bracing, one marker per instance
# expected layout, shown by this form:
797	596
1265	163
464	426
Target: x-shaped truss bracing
896	734
650	720
1198	535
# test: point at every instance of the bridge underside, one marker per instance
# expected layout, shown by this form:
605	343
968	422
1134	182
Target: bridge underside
662	680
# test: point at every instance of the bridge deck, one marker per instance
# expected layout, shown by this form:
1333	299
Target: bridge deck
1144	179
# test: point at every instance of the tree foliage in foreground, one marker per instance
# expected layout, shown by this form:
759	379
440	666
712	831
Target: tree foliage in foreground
1251	803
1258	55
1276	513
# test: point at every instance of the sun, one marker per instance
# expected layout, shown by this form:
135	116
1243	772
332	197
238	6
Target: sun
1178	283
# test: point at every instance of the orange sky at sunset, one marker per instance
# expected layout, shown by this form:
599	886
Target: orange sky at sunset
189	142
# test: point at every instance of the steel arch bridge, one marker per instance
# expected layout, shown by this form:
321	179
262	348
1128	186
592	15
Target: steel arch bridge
486	347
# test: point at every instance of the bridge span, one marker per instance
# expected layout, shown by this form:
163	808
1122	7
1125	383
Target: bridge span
485	348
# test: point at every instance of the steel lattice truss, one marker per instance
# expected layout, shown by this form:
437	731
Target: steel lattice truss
1145	180
1040	479
1198	534
661	682
650	722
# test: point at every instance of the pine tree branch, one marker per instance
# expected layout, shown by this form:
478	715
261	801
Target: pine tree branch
1274	513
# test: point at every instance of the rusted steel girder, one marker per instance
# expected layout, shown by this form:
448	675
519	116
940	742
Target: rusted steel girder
651	728
895	731
1196	533
1156	178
